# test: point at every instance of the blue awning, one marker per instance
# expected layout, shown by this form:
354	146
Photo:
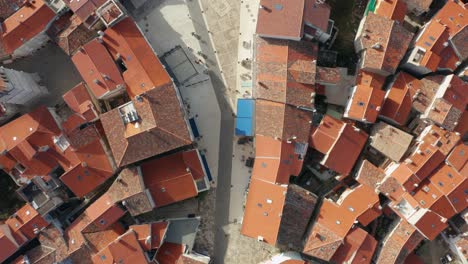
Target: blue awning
244	120
194	127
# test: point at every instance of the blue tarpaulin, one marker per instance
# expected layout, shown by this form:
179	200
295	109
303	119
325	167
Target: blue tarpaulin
207	169
244	120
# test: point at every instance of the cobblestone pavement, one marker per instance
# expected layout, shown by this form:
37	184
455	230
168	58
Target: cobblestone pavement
204	242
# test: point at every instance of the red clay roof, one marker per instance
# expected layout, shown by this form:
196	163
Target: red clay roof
392	9
451	184
25	220
340	142
436	136
369	79
7	243
263	210
335	220
275	160
402	240
283	122
170	253
84	9
453	15
153	233
98	69
317	14
161	127
281	19
125	249
24	24
79	100
327	75
170	179
392	39
432	39
285	71
144	70
428	223
458	159
397	105
365	103
430	197
358	247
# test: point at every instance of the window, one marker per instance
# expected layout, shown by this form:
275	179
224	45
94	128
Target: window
440	184
79	177
102	222
61	142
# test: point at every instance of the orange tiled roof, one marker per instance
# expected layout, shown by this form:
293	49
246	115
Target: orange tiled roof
150	236
335	220
282	122
280	18
442	139
369	79
170	253
144	70
327	75
285	71
428	223
432	39
98	69
458	158
7	243
402	240
430	197
397	105
24	24
79	100
358	247
336	139
84	9
365	103
370	175
263	209
160	128
25	220
125	249
452	184
385	43
170	179
275	160
392	9
317	14
453	15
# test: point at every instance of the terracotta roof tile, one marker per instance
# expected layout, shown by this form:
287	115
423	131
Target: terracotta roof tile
161	127
285	71
435	136
401	241
370	79
453	15
429	196
365	103
169	179
458	158
98	69
275	161
79	100
391	188
370	175
9	7
70	33
25	220
392	9
358	247
298	208
328	75
150	236
390	40
390	141
8	244
25	24
407	92
280	121
263	210
170	253
317	14
280	18
84	9
459	42
129	187
125	249
144	70
428	223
